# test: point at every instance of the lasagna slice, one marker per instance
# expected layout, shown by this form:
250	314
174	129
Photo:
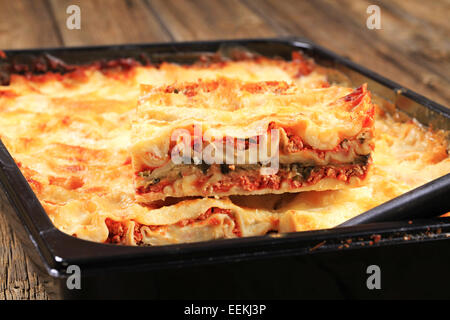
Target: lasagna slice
190	220
228	137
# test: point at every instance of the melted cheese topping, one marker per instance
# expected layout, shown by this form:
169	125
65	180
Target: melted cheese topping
70	137
321	117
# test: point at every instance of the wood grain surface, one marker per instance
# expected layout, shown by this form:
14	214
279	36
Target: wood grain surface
412	48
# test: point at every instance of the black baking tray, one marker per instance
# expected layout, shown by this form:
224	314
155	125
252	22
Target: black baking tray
332	263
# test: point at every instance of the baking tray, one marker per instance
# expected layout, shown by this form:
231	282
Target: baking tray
312	264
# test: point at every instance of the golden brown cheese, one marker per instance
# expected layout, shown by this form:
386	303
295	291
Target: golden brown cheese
70	136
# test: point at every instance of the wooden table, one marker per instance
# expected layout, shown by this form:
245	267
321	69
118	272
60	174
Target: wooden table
412	48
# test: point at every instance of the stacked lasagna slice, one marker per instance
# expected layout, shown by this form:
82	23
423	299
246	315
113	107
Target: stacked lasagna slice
230	137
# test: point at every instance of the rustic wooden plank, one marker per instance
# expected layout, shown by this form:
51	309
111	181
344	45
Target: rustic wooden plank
341	26
206	19
434	13
110	22
26	24
17	279
419	52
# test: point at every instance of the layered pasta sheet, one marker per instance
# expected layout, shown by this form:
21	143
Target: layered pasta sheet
228	137
71	136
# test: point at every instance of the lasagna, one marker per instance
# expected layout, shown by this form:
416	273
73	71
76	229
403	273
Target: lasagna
229	137
70	135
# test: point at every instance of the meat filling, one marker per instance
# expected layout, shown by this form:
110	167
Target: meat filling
117	230
249	178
